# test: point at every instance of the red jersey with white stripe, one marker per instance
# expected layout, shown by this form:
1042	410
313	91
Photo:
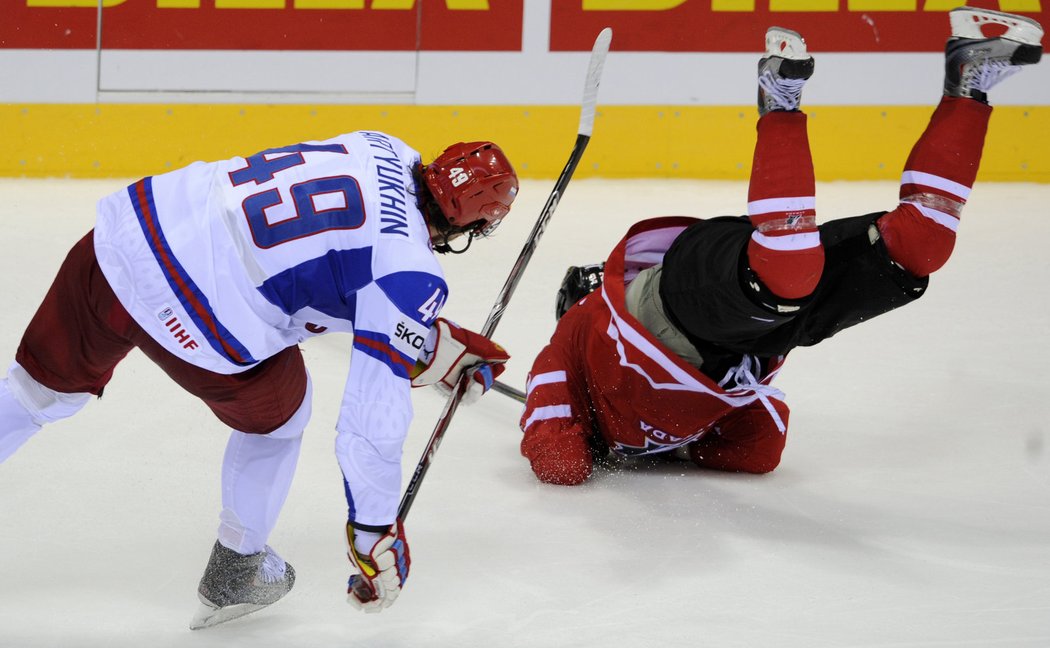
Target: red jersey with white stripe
604	371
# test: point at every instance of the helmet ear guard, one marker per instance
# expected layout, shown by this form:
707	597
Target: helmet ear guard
473	184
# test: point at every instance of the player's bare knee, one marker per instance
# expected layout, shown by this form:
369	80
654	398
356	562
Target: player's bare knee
44	405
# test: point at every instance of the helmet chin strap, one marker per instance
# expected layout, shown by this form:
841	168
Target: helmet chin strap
444	247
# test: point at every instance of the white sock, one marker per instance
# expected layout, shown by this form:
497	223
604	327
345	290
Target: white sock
16	423
257	472
26	405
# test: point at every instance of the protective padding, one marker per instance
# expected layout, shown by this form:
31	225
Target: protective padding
472	182
44	405
918	244
16	425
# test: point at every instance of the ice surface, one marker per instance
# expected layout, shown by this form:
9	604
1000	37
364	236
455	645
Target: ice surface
912	507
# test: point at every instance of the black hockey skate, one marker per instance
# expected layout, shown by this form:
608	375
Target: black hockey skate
975	63
234	585
783	71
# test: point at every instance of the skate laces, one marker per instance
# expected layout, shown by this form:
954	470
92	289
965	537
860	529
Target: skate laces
785	93
743	377
988	73
272	568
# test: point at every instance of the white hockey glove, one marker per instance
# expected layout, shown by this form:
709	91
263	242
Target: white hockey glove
381	570
451	350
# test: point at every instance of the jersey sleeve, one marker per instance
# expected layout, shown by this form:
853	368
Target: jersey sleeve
556	422
393	317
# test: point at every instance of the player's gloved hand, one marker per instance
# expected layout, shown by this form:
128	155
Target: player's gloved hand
558	450
381	570
451	350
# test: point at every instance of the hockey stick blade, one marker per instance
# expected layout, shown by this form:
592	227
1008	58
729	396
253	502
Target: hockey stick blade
507	390
583	135
594	77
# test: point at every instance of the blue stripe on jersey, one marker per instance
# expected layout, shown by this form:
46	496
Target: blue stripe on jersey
191	297
351	509
378	346
420	295
326	284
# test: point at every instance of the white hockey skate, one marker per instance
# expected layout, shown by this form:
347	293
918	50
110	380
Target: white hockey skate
975	62
235	585
783	71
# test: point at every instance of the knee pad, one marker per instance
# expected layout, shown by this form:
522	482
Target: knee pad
789	274
43	404
916	242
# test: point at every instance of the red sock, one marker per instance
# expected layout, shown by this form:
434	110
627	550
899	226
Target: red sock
785	250
942	167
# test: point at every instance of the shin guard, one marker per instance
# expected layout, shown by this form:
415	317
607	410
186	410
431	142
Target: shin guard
942	167
785	249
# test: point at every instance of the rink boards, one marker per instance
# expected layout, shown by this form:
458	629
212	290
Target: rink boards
666	141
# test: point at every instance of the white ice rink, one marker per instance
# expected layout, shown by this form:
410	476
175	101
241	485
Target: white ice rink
911	509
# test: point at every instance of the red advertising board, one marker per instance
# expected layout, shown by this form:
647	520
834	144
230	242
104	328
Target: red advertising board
403	25
739	25
482	25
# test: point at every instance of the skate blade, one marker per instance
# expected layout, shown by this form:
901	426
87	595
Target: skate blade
208	616
785	43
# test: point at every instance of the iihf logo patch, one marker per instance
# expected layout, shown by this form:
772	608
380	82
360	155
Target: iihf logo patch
181	335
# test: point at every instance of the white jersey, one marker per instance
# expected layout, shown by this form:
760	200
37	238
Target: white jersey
227	263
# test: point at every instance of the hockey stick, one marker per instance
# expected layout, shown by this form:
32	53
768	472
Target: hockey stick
507	390
590	100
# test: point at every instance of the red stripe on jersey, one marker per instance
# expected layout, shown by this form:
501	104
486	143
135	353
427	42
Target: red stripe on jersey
169	267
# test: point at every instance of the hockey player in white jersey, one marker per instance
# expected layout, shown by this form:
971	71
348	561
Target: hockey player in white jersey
217	272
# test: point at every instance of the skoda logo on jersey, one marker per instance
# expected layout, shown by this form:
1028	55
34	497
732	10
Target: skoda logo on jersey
165	314
414	340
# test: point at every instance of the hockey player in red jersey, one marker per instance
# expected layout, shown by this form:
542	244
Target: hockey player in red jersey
676	348
218	270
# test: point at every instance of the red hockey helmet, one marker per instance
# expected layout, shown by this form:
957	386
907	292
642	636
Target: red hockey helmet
470	182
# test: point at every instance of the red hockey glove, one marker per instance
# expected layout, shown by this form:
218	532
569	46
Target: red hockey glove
558	452
381	573
450	350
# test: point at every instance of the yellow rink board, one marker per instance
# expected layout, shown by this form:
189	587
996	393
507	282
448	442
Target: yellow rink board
849	143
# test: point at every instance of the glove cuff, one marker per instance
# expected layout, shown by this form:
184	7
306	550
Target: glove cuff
440	343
